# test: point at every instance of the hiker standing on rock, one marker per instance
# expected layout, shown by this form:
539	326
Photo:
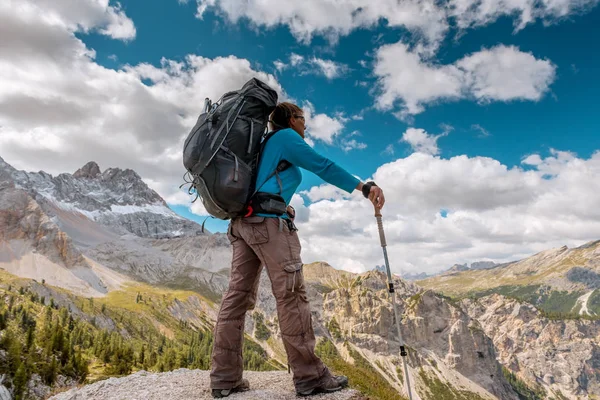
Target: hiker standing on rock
269	238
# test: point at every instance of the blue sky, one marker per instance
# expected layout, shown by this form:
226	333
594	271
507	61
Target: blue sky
460	108
566	118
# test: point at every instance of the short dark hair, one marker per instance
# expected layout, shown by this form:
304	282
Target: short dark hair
280	117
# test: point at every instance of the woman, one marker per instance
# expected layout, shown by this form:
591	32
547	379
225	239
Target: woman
263	239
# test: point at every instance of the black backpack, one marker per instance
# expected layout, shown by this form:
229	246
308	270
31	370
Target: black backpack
222	151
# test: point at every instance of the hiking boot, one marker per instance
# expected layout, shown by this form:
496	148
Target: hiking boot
329	385
241	387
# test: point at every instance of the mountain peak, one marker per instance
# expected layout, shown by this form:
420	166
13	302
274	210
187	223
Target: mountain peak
90	170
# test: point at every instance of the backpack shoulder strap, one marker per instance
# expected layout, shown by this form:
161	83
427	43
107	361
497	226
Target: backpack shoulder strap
282	166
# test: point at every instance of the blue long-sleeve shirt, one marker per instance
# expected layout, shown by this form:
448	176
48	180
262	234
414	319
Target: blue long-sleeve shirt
288	145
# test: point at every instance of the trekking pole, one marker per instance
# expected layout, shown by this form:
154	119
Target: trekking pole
392	293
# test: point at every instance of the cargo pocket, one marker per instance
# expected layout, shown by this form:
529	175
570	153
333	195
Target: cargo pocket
256	229
295	277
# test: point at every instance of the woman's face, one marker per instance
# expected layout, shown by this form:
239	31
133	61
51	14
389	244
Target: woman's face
298	123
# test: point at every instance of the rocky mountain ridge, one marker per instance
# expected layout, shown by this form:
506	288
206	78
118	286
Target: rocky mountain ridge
116	198
418	276
563	269
65	230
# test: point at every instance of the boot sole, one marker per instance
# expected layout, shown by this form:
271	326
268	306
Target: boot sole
316	391
221	396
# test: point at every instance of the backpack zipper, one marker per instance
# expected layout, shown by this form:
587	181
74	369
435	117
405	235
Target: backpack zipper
251	134
235	173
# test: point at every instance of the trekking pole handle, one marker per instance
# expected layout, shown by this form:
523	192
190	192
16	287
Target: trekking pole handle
380	226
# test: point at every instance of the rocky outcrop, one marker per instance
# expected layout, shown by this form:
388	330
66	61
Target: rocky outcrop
184	384
562	356
457	268
483	265
90	170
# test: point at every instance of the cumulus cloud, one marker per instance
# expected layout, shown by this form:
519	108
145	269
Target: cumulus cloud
321	126
505	73
502	73
69	15
492	212
330	69
420	141
333	19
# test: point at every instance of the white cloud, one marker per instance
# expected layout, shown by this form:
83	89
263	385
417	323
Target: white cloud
330	69
321	126
296	59
494	212
506	73
68	15
335	18
324	192
421	141
314	66
302	212
472	13
353	144
533	159
280	66
502	73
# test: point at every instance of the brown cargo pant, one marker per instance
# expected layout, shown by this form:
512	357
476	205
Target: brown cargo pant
259	241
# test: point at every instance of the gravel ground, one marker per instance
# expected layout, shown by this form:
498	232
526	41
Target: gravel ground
185	384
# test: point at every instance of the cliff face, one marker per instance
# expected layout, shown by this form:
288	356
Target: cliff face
25	226
444	343
562	356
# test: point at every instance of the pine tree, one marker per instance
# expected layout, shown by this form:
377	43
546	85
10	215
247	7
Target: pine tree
20	381
30	337
50	372
142	356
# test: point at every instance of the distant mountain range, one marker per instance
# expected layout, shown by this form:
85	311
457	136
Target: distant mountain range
417	276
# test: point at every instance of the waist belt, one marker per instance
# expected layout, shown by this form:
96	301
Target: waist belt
266	203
